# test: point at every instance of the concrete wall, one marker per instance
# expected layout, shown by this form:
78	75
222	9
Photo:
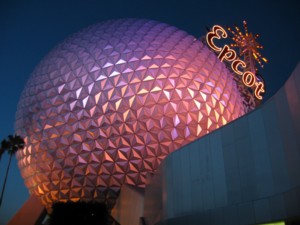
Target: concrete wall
129	206
247	172
30	213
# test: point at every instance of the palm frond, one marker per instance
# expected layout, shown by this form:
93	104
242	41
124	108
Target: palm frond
13	144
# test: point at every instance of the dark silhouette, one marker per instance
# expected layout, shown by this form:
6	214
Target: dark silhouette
12	145
80	213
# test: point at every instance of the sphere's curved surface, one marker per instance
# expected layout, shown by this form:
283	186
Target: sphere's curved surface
108	104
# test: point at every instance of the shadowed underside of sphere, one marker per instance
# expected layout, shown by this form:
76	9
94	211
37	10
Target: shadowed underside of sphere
108	104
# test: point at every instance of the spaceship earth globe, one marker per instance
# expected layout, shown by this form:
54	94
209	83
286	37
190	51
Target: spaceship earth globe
109	103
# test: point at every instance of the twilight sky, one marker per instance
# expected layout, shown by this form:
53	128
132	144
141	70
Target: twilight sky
30	29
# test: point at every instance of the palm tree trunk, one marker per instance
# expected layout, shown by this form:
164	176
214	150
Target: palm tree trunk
4	184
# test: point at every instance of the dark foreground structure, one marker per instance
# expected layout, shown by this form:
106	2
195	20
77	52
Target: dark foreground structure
247	172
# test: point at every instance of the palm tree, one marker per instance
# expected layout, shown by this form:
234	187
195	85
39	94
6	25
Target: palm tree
12	145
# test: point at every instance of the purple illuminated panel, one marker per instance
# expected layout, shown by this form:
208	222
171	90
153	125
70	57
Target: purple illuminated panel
108	104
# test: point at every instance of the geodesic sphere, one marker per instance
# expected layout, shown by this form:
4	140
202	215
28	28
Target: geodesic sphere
108	104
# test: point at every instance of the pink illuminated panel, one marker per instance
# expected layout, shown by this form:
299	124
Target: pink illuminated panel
108	104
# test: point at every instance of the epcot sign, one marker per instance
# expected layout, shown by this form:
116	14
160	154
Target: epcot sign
226	53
